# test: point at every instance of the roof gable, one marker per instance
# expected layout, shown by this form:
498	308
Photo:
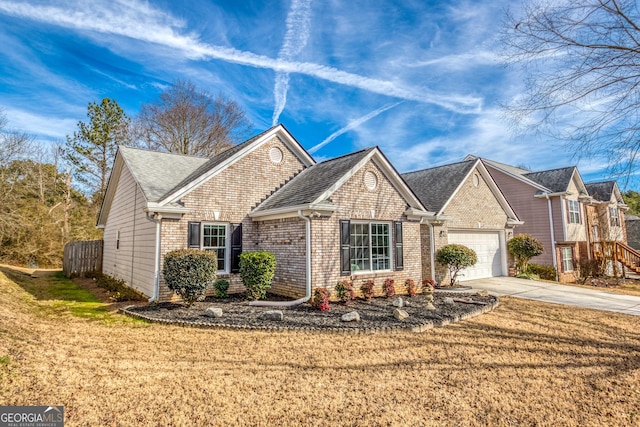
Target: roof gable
606	191
316	184
438	186
220	162
435	186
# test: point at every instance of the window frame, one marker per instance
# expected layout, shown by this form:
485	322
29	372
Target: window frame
573	214
615	219
370	236
227	243
564	260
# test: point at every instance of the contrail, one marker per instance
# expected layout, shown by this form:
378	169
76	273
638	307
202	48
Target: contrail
351	125
295	39
140	21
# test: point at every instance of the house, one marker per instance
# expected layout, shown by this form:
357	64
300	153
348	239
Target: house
632	227
351	217
606	221
470	210
552	204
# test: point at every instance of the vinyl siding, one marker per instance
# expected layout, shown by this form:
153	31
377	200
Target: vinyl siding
532	210
134	261
575	232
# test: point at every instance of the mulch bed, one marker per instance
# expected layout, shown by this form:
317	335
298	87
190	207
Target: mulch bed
375	315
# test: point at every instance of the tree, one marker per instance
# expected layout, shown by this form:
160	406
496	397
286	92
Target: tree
523	247
13	143
187	120
93	147
456	258
582	75
632	199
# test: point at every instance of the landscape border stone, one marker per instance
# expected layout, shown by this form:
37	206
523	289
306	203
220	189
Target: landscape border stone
473	311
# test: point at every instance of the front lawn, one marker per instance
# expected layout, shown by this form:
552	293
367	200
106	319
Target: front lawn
526	363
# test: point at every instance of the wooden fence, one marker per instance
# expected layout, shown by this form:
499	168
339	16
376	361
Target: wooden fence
82	258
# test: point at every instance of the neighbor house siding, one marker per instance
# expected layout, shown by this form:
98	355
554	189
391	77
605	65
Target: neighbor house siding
134	261
532	210
356	202
229	197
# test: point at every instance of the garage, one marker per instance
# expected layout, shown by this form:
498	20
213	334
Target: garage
488	249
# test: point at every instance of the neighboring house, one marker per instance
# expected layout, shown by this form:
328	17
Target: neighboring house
350	217
606	221
632	227
552	205
469	210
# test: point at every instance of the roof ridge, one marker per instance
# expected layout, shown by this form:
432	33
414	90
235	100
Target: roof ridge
551	170
148	150
346	155
442	166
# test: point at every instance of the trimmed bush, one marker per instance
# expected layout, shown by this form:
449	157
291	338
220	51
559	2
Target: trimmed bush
456	258
412	289
545	272
345	292
189	272
321	299
256	271
221	286
388	287
367	289
523	247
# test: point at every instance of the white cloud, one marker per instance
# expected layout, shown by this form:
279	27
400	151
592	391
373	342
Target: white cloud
140	21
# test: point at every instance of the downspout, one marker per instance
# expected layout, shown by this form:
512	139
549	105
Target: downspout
157	218
307	296
553	235
432	249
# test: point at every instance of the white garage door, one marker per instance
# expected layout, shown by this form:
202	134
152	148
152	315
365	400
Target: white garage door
487	247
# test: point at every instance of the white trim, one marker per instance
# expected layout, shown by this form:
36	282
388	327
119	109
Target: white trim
227	243
287	139
311	209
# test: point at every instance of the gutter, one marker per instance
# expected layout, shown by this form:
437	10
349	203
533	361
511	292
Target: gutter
307	296
157	218
553	236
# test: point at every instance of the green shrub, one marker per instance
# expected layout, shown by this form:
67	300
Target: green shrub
345	292
367	289
256	271
221	286
321	299
523	247
545	272
456	258
118	289
189	272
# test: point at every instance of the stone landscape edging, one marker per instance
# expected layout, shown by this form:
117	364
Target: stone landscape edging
478	310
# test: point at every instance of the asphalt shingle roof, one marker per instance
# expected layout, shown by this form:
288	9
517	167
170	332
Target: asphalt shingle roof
157	172
601	191
435	186
312	182
556	180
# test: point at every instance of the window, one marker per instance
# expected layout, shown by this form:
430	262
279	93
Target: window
567	259
214	239
367	246
574	211
222	238
615	219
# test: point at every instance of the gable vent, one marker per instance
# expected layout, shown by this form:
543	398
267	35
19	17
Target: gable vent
370	180
275	155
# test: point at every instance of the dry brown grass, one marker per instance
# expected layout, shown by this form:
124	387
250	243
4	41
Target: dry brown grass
526	363
626	287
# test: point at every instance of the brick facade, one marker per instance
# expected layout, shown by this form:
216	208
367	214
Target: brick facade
228	198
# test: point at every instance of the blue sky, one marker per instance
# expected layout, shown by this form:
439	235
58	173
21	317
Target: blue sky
421	79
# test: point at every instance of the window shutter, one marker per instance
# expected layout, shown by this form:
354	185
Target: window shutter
345	248
579	213
236	247
399	264
566	204
194	235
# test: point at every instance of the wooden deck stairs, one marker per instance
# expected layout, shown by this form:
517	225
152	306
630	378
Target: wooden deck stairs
627	256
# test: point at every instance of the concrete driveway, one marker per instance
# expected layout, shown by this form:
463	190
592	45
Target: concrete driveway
559	294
